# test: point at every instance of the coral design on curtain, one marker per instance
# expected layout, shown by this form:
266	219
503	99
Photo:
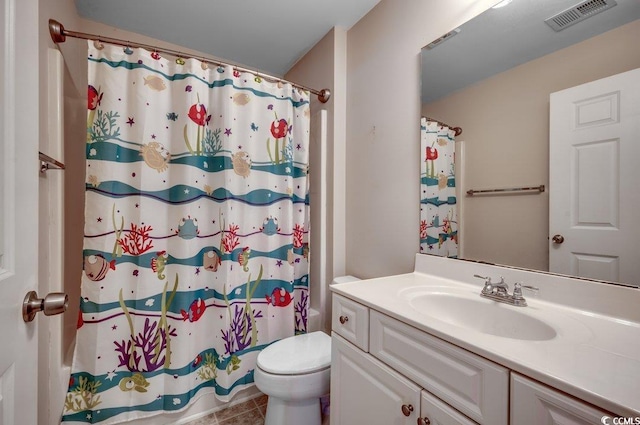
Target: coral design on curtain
438	211
196	232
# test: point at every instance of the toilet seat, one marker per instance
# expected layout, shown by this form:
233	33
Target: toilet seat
297	355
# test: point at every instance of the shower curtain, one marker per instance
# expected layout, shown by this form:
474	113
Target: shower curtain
438	211
196	232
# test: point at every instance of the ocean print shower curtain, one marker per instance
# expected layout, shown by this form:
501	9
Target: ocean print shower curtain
196	232
438	210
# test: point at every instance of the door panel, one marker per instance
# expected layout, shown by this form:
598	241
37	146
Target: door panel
591	210
19	123
594	198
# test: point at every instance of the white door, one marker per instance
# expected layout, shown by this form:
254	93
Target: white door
19	123
594	179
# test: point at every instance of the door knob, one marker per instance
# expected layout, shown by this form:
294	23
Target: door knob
558	239
53	303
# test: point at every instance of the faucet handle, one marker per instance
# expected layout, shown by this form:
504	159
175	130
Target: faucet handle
488	286
518	287
487	279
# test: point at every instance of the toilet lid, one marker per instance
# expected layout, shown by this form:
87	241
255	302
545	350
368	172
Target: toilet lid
297	355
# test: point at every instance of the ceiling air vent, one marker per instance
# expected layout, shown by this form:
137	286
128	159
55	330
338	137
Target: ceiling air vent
578	13
441	39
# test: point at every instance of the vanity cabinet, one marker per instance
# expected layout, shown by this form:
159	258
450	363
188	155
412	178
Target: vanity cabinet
535	404
372	360
370	392
384	371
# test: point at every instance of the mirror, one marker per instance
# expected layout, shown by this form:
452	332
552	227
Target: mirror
493	77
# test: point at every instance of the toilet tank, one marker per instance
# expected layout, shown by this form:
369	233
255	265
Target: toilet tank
344	279
321	321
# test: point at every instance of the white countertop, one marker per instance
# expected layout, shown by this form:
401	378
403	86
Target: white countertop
594	357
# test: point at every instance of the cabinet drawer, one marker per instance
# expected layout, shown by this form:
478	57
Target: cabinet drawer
351	321
535	404
471	384
440	413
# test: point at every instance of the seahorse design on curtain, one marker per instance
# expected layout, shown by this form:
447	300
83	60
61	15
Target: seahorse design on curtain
438	208
196	232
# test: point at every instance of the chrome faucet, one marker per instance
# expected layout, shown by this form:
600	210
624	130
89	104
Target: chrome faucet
500	291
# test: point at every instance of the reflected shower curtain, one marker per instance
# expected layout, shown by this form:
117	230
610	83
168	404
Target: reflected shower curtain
196	232
438	211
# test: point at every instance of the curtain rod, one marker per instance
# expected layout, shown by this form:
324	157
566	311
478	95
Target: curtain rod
59	35
457	130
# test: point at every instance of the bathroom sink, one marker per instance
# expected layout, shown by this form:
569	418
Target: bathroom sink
481	315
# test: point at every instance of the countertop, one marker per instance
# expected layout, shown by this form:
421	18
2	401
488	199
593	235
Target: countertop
594	357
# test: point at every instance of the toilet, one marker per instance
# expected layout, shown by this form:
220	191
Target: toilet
295	372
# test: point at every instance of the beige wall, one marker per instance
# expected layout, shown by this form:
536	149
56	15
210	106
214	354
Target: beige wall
52	380
506	126
325	67
383	112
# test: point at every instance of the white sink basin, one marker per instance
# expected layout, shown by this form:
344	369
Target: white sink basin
481	315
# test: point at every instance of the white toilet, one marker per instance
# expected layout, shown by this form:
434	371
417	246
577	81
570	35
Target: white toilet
294	372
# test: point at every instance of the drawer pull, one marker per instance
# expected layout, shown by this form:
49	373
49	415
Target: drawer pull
407	409
344	319
424	421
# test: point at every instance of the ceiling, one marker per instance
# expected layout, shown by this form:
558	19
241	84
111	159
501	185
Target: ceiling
269	36
500	39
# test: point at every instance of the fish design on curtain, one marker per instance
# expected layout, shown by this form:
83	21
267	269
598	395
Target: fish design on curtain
196	232
438	209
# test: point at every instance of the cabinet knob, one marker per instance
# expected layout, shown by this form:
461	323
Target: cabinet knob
407	409
424	421
344	319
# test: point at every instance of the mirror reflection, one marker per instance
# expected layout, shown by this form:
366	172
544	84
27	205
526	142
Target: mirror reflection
494	78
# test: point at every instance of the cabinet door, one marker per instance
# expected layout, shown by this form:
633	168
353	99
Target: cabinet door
365	391
434	411
535	404
469	383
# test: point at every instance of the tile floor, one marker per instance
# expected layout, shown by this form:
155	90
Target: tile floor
250	412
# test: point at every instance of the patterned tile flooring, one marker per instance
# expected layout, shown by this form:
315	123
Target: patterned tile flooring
250	412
